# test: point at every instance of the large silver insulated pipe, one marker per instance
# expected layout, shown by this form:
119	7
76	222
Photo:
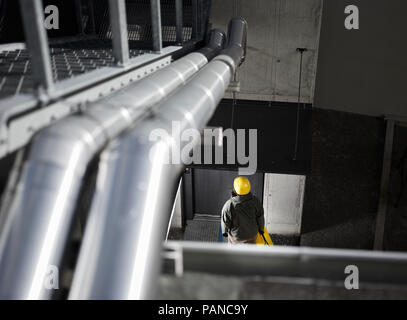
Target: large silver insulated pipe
40	214
120	256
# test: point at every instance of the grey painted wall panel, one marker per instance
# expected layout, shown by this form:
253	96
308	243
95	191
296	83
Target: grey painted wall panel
363	71
342	191
212	189
276	29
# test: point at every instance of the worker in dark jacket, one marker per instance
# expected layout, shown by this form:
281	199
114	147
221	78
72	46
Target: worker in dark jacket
242	214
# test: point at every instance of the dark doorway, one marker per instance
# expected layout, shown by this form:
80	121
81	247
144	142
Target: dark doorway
209	189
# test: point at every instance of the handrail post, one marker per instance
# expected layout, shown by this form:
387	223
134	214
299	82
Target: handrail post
179	21
118	21
156	25
32	12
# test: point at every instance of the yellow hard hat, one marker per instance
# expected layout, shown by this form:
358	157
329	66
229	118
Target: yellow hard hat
241	186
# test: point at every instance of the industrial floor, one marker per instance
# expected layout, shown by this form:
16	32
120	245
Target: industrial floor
206	228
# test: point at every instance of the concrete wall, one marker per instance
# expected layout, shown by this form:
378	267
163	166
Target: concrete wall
283	202
363	71
395	236
342	191
176	215
276	29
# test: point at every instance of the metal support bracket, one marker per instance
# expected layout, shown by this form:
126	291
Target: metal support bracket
118	22
384	188
234	86
179	20
156	25
37	44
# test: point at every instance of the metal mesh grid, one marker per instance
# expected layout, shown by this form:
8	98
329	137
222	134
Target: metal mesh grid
203	228
139	20
78	57
67	61
141	33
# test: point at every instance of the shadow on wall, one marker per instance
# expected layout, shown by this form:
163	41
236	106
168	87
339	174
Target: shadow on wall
395	237
342	192
353	233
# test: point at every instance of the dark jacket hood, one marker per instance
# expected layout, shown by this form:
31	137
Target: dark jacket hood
239	199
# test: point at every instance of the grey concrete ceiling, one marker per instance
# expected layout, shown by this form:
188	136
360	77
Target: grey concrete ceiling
276	29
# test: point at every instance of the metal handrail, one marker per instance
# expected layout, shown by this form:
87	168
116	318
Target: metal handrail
120	253
41	212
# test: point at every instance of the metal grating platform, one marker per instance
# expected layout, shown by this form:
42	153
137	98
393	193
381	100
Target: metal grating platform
139	20
203	228
67	61
77	57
